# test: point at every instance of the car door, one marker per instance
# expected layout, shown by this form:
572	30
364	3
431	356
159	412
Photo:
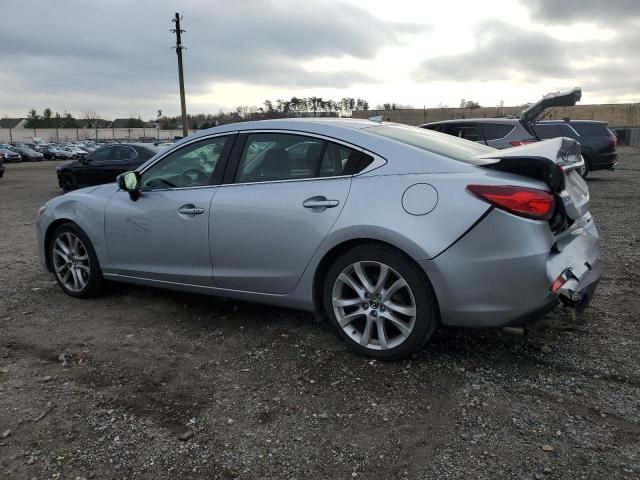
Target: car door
275	209
89	171
120	161
164	234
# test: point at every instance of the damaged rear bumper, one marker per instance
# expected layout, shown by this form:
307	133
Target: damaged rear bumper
580	286
503	272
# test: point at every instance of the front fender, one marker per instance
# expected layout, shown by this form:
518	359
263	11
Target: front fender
83	207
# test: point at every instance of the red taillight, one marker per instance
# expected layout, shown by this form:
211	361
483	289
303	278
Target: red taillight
519	143
613	142
558	283
522	201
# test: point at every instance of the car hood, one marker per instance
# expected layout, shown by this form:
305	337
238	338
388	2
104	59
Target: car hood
69	164
534	113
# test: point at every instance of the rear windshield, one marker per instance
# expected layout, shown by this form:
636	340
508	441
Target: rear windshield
591	129
434	142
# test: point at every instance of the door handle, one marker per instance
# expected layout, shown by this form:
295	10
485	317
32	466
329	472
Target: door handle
190	210
320	202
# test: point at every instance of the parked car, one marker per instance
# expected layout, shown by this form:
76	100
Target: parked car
77	151
2	166
27	153
103	165
9	155
54	152
598	143
87	147
388	230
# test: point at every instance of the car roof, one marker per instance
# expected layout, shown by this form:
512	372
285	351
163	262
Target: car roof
131	144
503	120
579	122
310	124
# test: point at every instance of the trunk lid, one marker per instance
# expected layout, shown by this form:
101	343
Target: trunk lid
556	162
535	112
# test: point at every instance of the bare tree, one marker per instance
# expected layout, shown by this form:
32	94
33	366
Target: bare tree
91	117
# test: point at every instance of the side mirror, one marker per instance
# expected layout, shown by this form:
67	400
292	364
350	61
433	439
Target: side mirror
130	182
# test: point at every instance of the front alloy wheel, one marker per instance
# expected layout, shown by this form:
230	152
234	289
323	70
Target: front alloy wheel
71	262
74	262
380	302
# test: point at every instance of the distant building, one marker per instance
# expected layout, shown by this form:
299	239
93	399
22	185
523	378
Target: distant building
12	122
96	123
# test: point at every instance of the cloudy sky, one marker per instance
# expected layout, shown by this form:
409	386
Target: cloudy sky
114	57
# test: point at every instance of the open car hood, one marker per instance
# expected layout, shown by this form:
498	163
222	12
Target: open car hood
556	99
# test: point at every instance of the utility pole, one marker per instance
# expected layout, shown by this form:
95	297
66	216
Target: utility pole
179	49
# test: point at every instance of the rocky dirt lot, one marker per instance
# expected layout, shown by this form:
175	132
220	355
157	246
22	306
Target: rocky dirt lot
152	384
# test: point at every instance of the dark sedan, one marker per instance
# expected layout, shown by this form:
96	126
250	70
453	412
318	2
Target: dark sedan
28	154
9	155
104	165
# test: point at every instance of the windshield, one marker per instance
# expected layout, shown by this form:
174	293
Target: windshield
434	142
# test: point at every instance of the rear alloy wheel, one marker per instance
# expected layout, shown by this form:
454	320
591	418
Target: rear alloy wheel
380	303
74	262
67	182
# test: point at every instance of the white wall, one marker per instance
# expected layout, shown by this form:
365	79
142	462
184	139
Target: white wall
26	135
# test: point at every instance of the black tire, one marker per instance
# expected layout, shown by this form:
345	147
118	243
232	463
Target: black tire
587	166
67	182
95	283
427	316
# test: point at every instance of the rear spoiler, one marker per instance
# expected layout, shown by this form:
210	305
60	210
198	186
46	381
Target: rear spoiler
535	112
539	160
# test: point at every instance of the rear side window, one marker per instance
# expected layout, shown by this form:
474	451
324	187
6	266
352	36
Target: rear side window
434	142
567	131
591	129
123	153
283	156
276	156
494	131
103	153
549	131
335	159
468	131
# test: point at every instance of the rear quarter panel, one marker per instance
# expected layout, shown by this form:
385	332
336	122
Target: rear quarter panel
375	210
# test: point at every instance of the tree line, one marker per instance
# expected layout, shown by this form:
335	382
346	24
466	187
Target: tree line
269	109
294	107
49	119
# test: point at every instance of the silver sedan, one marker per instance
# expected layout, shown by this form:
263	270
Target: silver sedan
388	231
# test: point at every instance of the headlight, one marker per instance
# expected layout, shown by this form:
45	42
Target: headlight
41	210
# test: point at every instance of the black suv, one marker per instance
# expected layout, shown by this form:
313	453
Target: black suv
597	142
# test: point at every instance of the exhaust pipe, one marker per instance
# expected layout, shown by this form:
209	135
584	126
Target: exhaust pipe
514	331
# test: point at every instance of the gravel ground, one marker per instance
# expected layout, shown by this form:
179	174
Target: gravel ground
113	387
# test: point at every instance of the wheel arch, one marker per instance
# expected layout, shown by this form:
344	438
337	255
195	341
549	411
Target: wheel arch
339	249
53	226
